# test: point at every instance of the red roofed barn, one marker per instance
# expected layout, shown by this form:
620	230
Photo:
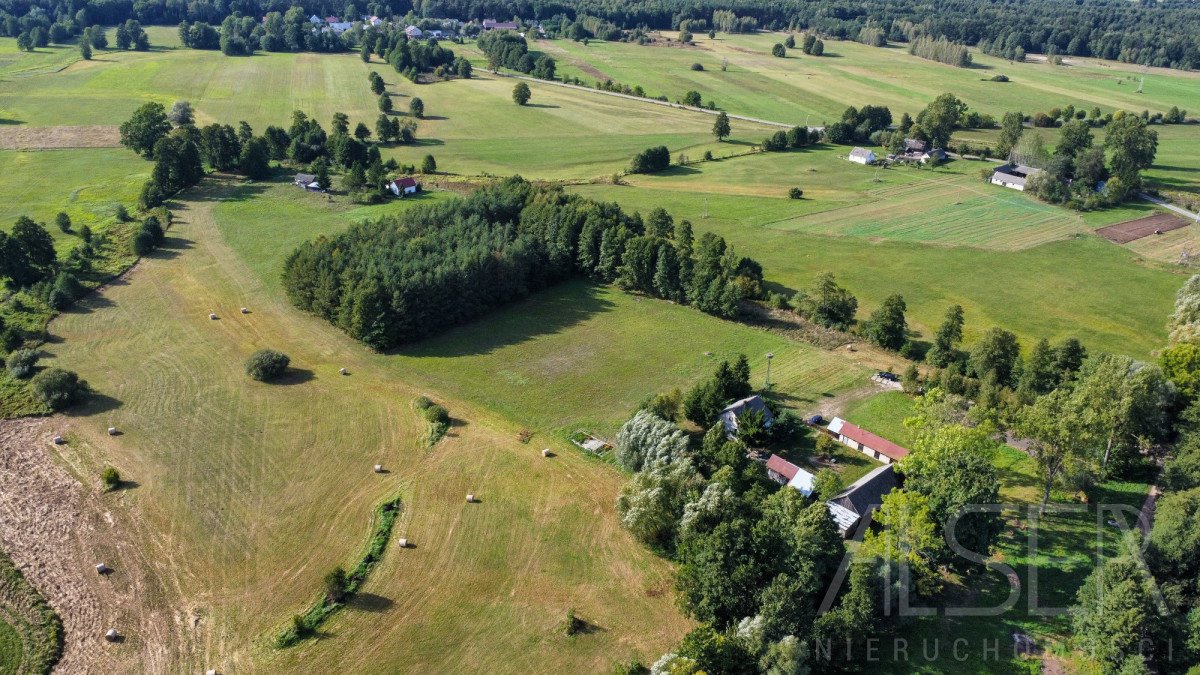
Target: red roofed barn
871	445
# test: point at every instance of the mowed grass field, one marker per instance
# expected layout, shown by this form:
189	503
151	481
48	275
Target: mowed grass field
817	89
577	356
256	490
471	126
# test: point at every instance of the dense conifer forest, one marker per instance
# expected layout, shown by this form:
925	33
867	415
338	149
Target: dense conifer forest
402	278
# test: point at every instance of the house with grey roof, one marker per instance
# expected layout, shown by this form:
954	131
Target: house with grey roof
863	496
1013	176
729	416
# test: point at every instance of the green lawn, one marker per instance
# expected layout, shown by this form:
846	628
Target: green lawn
883	414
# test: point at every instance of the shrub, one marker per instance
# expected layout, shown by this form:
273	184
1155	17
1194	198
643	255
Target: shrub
85	233
142	243
778	50
63	221
58	388
336	584
111	478
429	164
999	78
122	213
266	364
436	414
697	66
154	228
21	363
708	155
795	193
572	624
651	160
422	402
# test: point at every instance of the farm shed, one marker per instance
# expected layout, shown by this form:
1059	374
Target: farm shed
1013	176
492	24
863	496
404	186
861	156
874	446
729	416
785	473
307	181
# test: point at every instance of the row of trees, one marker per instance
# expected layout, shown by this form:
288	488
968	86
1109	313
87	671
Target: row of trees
405	277
941	50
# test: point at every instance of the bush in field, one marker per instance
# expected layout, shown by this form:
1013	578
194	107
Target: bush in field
111	478
795	193
265	365
58	388
21	363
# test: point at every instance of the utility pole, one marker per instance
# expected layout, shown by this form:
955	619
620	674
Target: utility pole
767	383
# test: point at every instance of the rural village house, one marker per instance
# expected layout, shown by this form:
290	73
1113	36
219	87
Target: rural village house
861	156
871	445
729	416
307	181
785	473
863	496
1013	176
404	186
492	24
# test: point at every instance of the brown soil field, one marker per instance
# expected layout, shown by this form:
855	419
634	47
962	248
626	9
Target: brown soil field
1123	233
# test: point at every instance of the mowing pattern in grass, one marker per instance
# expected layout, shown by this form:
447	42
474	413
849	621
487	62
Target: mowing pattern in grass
799	89
239	477
31	634
1084	287
311	621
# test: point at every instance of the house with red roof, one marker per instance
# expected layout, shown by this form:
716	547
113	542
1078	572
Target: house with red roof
404	186
871	445
785	473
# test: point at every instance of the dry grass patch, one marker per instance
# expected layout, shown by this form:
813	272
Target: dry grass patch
58	138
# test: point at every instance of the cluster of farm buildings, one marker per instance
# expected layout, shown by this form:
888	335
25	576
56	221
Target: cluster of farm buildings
850	506
1013	176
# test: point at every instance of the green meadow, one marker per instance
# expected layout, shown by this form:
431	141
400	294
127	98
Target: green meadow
800	88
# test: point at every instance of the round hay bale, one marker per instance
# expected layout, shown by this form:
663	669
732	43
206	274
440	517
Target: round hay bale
378	468
212	316
245	310
344	371
101	568
112	431
470	498
111	634
546	452
403	543
59	440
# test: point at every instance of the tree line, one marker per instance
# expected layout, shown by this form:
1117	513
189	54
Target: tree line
1157	34
405	277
